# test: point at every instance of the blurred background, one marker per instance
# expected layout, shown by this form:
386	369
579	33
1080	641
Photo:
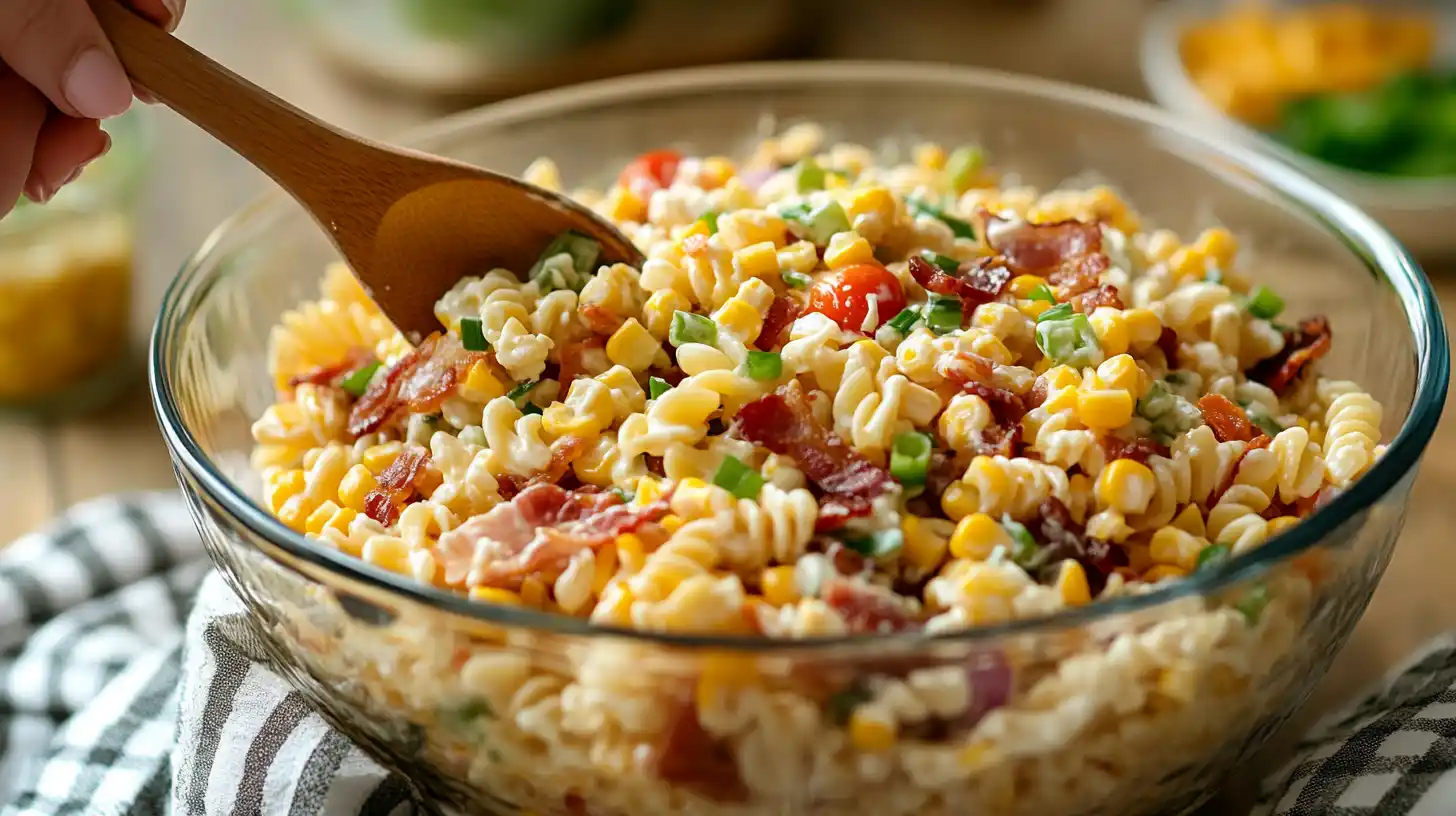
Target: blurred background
1354	93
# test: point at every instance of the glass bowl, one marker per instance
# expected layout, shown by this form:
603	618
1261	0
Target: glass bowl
1135	705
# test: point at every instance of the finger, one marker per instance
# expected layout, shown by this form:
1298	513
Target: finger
25	112
65	147
165	13
59	48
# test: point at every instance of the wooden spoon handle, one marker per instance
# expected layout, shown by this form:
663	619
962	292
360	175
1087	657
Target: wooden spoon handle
256	124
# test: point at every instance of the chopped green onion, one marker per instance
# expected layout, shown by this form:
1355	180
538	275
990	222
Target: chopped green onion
808	176
692	328
710	218
1264	304
905	320
623	494
878	544
796	280
472	336
1251	606
763	366
473	710
1212	556
531	408
826	220
1061	311
1024	551
798	211
1071	341
1043	293
1269	425
964	165
943	314
582	252
910	458
358	382
841	704
656	387
961	229
738	478
1176	378
946	264
1213	276
521	390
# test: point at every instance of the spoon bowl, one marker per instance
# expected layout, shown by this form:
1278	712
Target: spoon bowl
409	224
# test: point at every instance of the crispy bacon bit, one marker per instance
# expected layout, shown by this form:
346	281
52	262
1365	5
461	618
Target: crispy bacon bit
540	530
783	423
966	367
399	484
1302	347
354	360
1064	538
1000	440
418	383
944	470
689	756
979	281
1103	295
1035	249
1006	407
865	608
1168	344
573	358
600	319
1228	421
845	560
1137	450
1078	276
781	315
564	451
1038	394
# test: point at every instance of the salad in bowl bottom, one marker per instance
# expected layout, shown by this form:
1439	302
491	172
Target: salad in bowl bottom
1008	450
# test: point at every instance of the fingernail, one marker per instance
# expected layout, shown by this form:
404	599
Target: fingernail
80	168
174	8
96	86
143	95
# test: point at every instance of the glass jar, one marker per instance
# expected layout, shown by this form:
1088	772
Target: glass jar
66	283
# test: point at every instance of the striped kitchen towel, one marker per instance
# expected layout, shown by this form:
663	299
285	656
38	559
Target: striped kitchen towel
115	702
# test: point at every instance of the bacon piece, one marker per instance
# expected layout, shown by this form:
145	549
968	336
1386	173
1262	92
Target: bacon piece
541	529
600	319
573	358
845	560
418	383
1228	421
1063	538
1168	344
1103	295
398	485
1038	394
865	608
980	281
355	359
943	471
1004	439
1302	347
564	451
1038	249
1007	407
965	367
782	314
1137	450
689	756
783	423
1078	275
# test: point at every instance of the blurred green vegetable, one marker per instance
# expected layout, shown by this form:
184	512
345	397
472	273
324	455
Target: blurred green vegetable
539	23
1406	127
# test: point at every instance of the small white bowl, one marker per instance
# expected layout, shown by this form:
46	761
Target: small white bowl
1421	212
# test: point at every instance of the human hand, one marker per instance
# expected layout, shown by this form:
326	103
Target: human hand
58	78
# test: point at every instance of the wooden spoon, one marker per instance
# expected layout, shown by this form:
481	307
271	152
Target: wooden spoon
409	224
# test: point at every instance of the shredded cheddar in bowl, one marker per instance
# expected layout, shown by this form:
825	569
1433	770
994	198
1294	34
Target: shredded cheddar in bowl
1254	58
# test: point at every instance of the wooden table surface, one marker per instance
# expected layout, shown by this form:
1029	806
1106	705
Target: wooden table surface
45	467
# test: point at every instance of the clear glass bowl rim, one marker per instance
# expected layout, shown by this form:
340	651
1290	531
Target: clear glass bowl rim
1382	254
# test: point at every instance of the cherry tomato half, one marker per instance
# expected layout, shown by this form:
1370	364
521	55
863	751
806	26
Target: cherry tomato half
650	171
845	300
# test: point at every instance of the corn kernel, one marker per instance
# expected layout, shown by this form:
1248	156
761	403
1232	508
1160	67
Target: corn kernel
649	490
779	586
671	523
870	732
977	536
1126	486
294	515
1161	246
480	385
1190	520
930	156
533	593
1062	400
494	595
1072	584
632	346
1043	365
923	547
389	553
1143	328
846	249
800	256
1062	376
760	260
606	568
1188	263
1162	572
1121	372
1023	285
744	228
284	486
1032	308
622	205
977	755
356	486
1111	330
1104	410
340	522
876	201
1217	245
1170	545
379	457
631	552
1280	524
740	319
316	521
958	501
658	310
716	171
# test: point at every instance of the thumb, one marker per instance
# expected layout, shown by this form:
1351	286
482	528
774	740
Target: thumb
57	46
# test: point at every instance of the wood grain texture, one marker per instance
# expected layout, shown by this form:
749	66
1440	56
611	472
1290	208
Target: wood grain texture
408	223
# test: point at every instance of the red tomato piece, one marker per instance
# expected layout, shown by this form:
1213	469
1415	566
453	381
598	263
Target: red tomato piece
846	299
650	171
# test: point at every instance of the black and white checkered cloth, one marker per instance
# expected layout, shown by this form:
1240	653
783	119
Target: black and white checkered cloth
122	696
